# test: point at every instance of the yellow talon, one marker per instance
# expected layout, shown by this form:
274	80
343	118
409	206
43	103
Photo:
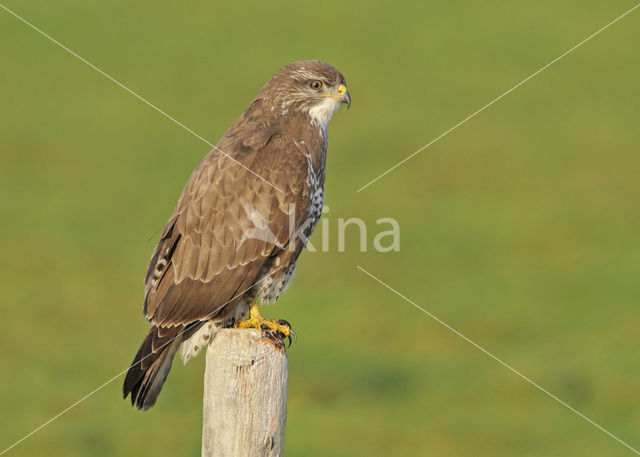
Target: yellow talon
277	327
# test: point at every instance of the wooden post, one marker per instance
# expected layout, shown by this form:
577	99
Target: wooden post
245	396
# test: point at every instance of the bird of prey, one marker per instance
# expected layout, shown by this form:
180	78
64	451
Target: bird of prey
241	222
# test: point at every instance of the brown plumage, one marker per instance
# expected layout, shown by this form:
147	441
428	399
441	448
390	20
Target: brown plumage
229	241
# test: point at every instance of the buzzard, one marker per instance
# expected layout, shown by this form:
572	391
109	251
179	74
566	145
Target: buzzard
240	224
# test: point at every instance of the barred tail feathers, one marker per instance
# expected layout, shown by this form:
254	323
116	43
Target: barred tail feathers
151	366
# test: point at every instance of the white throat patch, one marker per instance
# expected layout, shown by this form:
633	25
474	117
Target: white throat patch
322	112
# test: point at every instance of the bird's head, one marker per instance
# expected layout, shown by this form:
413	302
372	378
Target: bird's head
308	86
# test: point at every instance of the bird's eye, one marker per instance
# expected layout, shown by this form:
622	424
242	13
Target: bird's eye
316	85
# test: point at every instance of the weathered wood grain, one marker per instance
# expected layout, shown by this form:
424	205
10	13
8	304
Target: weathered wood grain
245	396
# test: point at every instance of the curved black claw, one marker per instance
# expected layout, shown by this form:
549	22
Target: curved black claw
280	336
291	332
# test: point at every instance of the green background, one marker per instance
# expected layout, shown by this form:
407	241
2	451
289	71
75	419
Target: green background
520	229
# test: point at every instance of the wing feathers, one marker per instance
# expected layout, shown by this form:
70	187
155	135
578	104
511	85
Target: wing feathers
211	255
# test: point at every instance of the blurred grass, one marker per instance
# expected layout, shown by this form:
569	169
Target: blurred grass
520	229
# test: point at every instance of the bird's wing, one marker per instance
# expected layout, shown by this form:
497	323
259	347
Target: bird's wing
226	228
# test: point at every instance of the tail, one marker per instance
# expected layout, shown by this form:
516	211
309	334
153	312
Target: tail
151	366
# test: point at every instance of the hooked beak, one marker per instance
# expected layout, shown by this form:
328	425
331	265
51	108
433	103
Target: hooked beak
343	95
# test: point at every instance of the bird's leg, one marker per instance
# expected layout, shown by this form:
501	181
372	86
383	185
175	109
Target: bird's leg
275	328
